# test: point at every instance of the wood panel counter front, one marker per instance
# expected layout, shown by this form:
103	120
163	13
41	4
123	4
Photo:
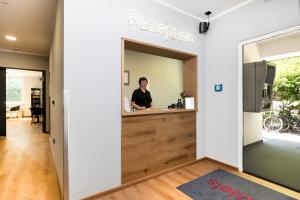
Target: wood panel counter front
157	111
155	142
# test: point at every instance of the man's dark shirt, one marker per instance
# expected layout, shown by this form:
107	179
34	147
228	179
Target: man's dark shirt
141	98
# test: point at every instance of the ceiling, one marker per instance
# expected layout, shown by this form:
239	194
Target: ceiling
197	8
22	73
283	46
31	21
278	47
295	35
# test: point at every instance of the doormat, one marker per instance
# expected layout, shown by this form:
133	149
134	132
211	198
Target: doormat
221	185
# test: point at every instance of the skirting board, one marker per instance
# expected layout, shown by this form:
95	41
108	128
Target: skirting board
254	143
121	187
52	156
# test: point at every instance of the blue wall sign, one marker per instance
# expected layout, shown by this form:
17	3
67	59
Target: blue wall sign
218	87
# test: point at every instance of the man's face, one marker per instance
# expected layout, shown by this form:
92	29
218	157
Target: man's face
144	84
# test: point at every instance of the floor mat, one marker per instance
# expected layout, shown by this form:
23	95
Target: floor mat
221	185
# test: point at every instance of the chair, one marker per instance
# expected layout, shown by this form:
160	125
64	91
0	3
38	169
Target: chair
36	112
13	110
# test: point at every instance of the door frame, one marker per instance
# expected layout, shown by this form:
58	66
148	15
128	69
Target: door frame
3	109
44	89
240	85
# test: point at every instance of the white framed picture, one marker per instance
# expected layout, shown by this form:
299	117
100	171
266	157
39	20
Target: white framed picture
189	103
126	77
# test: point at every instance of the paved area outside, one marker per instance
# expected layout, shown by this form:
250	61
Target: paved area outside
292	137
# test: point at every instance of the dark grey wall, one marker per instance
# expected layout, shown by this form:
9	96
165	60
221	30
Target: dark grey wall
2	102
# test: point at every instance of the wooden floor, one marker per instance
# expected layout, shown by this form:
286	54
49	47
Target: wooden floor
164	186
26	167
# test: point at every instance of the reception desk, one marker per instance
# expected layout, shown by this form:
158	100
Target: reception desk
155	140
156	111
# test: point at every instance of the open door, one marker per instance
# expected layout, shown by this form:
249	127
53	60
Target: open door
2	102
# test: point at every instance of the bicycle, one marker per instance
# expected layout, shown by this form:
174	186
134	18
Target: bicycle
295	122
273	122
286	119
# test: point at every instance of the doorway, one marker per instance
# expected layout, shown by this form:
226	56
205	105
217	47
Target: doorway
24	98
271	121
26	160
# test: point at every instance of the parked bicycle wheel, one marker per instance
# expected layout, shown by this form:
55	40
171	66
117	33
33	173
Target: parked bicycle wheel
273	123
297	126
286	124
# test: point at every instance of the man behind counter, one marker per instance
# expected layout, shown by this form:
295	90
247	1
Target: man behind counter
141	98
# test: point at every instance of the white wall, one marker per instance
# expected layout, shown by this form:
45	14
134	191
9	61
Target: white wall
24	61
252	121
251	53
92	76
221	62
56	93
252	127
165	77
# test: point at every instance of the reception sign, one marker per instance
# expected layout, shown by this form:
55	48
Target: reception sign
169	32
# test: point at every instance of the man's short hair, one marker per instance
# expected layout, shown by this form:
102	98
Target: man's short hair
142	79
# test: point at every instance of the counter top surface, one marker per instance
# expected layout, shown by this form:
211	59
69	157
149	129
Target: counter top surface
156	111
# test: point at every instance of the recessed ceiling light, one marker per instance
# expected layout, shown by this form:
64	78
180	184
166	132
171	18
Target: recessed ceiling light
9	37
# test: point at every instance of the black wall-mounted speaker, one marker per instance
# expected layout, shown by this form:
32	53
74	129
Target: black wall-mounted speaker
203	27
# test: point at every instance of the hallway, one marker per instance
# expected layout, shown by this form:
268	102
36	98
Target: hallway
26	166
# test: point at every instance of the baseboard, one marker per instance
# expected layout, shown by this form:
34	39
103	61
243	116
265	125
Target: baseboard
223	164
126	185
121	187
254	143
52	154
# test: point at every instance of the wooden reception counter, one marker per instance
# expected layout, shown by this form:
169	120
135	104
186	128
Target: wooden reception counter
156	111
158	139
155	140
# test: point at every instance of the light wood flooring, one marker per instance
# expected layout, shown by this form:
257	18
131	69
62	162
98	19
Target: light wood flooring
164	186
27	170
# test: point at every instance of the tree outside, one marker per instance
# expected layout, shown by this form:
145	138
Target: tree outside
13	90
287	80
286	90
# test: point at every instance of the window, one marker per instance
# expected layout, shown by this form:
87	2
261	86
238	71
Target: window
13	89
